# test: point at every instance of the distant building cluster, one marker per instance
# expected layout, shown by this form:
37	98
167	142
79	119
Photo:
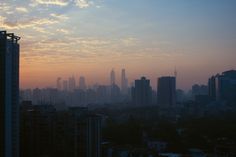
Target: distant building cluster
140	93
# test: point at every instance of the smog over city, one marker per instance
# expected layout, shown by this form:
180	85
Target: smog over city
117	78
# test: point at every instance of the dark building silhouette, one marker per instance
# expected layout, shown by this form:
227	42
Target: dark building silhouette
71	84
166	91
113	77
124	82
86	132
58	83
36	129
47	132
199	90
212	88
142	92
223	87
9	94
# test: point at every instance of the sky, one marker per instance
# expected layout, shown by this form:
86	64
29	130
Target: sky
146	37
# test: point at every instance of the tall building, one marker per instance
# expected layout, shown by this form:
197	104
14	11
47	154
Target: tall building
212	88
82	83
71	84
86	133
9	94
223	87
112	77
58	83
166	91
124	82
142	92
36	130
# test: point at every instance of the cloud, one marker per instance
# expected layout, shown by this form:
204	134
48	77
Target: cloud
83	3
64	31
42	30
53	2
4	7
28	23
130	41
22	9
2	19
59	16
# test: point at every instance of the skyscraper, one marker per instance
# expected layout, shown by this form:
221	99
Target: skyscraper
223	87
71	84
166	91
142	92
124	82
82	83
86	133
9	94
113	77
59	87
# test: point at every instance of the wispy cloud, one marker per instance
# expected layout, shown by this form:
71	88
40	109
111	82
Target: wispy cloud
22	9
59	16
53	2
130	41
64	31
27	23
4	7
83	3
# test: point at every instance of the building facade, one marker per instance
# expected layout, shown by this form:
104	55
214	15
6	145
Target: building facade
166	91
124	82
9	94
142	92
223	87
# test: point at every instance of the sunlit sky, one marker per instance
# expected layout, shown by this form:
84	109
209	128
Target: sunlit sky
146	37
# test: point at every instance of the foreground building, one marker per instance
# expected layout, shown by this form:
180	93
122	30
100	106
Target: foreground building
48	132
9	95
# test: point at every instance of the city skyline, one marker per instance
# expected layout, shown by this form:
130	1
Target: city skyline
89	38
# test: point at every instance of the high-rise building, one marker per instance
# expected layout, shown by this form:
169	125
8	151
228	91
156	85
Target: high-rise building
9	94
71	84
212	88
86	132
112	77
223	87
59	86
142	92
36	129
166	91
82	83
124	82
